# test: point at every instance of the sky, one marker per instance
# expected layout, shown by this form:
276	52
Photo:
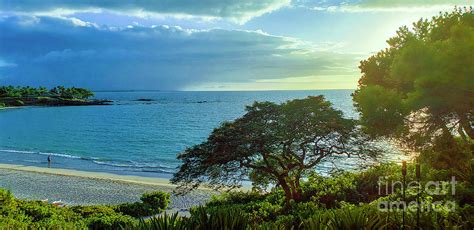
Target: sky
199	45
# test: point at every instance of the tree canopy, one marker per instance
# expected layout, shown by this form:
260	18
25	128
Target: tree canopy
272	144
59	91
420	90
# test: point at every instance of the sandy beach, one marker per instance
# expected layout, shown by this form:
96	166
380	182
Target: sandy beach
87	188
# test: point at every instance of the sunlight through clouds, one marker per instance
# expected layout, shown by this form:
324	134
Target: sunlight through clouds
184	44
50	50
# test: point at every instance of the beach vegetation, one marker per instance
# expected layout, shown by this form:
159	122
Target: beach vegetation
23	214
419	90
345	216
151	204
57	96
273	144
342	200
59	91
165	221
156	201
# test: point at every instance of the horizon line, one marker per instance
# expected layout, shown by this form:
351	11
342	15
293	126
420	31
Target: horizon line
237	90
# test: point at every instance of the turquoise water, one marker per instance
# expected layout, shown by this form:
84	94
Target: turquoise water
130	137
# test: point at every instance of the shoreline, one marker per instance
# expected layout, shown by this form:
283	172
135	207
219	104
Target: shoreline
92	175
144	180
74	187
11	107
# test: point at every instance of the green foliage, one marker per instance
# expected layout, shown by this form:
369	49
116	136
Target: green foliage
255	210
347	200
420	90
356	218
273	144
258	207
7	201
200	219
89	210
103	217
164	222
133	209
236	198
347	217
35	214
20	214
114	221
152	203
329	190
221	219
59	91
157	201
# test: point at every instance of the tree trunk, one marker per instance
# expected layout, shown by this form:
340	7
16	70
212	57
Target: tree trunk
296	194
287	191
291	188
296	190
299	190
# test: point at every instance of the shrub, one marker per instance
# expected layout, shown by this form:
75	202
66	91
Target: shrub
467	215
156	201
89	210
103	217
20	214
165	221
152	203
230	218
258	207
136	209
116	221
7	222
7	202
329	190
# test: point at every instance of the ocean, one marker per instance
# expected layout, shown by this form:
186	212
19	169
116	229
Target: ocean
133	137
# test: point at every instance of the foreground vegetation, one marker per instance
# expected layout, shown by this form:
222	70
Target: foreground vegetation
20	214
57	96
344	200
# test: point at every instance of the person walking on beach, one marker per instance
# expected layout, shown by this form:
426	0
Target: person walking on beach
49	161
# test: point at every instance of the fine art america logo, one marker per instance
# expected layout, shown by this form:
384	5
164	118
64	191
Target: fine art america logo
415	190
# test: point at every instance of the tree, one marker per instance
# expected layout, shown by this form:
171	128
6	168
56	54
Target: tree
420	90
272	144
42	91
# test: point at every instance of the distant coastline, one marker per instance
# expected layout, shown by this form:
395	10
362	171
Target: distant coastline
11	96
49	101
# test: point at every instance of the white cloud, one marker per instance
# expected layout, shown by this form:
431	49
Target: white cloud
410	3
3	63
51	51
236	10
381	5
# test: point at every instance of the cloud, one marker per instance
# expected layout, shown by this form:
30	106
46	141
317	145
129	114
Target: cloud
238	10
50	51
381	5
409	3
